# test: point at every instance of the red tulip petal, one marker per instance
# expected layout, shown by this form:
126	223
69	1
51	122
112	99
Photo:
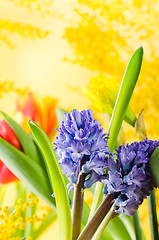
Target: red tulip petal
6	176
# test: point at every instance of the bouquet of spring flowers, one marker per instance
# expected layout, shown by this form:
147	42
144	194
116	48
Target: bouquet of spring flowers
82	157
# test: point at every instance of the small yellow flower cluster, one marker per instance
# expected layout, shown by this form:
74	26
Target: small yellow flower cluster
17	220
25	30
42	6
9	86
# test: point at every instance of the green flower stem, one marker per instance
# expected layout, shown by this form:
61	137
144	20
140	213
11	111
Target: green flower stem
29	229
97	217
97	198
2	193
137	225
29	212
153	216
104	223
77	207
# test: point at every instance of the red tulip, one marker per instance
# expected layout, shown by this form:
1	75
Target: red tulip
42	111
7	134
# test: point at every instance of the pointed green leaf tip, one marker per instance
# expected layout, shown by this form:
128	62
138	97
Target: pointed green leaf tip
26	140
126	89
56	181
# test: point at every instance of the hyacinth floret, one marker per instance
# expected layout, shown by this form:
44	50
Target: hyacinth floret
81	147
129	174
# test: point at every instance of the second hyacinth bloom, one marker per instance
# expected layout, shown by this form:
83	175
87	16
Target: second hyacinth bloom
81	147
129	174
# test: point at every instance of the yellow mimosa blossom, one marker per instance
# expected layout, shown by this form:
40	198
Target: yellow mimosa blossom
25	30
7	87
12	222
105	36
44	7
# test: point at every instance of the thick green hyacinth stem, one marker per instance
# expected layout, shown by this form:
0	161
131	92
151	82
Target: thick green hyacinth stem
97	217
77	207
112	214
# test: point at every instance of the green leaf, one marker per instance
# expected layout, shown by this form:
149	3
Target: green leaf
118	229
26	140
56	180
154	165
121	105
97	198
153	216
137	225
27	171
128	224
124	96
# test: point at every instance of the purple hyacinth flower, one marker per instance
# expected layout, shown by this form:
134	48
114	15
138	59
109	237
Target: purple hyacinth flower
81	147
129	174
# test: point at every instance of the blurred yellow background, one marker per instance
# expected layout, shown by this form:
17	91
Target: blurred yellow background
33	52
38	62
30	61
